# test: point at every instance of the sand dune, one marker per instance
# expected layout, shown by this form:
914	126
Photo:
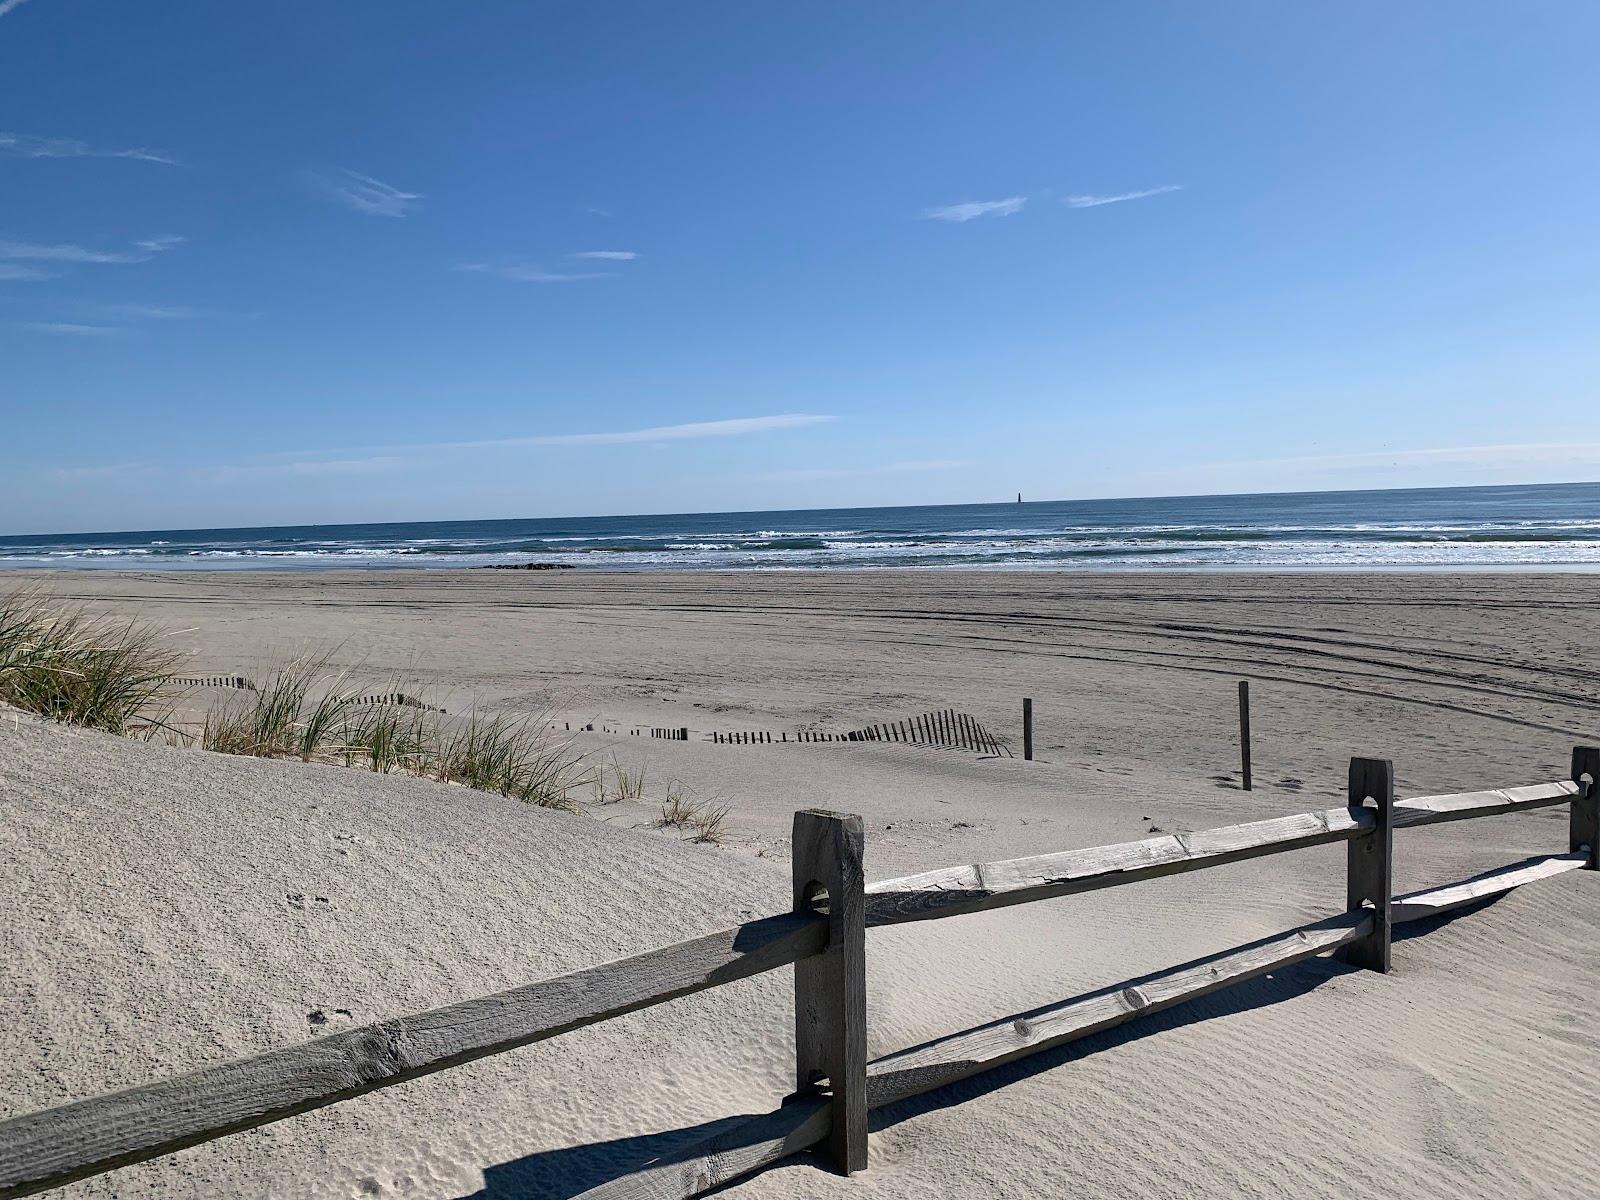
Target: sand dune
176	908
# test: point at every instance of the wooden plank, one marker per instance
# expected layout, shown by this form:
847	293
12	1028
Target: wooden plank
945	1060
727	1155
1414	906
1459	806
46	1149
1585	820
830	988
953	890
1369	862
1027	730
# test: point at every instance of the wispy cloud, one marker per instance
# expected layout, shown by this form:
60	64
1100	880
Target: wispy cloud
807	474
66	252
152	312
8	5
69	328
693	430
689	431
15	272
530	273
307	468
316	463
104	471
22	145
362	193
972	209
608	255
1092	201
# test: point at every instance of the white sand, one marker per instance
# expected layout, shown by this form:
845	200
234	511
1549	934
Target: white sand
155	929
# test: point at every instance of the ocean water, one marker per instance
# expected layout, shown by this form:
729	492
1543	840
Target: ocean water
1504	527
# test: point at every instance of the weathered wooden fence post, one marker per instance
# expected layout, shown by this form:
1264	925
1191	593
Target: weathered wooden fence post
1027	730
1369	881
1585	820
830	989
1244	731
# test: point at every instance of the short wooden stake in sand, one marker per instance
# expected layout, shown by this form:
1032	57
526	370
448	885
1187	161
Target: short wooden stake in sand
1027	730
830	988
1585	820
1369	881
1244	732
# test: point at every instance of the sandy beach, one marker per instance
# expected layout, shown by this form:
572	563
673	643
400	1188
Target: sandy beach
156	914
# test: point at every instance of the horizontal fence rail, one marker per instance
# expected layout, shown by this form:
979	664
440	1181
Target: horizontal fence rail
955	890
945	1060
1414	906
823	937
1430	810
53	1147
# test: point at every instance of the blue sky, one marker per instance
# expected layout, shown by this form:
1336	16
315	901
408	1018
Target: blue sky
375	261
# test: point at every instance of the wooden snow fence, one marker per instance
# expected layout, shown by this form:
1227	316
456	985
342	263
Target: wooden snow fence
946	728
823	935
399	699
241	683
214	681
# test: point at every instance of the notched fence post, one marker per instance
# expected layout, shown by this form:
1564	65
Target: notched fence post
1369	881
1585	820
830	989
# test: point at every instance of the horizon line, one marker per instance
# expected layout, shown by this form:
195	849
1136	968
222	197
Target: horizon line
738	512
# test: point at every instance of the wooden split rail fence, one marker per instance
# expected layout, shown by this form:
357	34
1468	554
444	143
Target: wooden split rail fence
823	935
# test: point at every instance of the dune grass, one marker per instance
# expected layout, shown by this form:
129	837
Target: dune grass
275	721
514	756
702	820
82	669
304	711
102	673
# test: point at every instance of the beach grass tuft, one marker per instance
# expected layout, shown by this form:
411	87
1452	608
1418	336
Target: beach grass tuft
72	666
702	820
514	756
81	669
